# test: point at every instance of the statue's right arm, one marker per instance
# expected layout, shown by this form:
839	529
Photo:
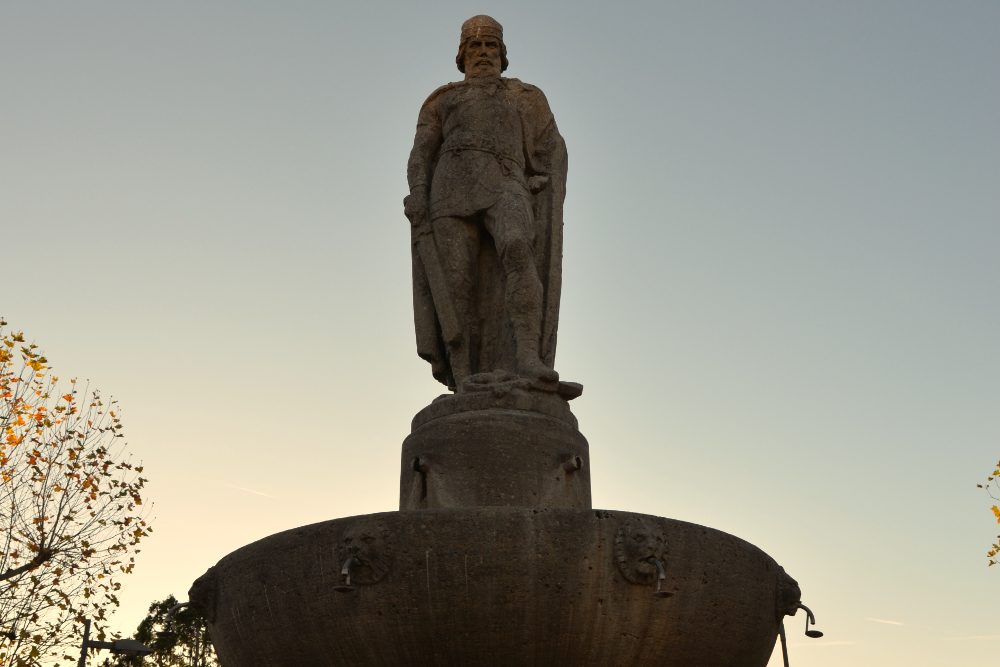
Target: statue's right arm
420	167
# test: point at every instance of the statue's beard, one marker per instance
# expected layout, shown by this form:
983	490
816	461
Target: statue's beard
484	66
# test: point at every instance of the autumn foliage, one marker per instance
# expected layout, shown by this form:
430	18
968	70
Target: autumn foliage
993	483
71	509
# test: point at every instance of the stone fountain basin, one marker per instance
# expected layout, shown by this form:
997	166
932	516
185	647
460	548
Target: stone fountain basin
503	586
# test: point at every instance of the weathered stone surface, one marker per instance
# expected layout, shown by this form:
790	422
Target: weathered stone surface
494	457
487	177
497	587
542	403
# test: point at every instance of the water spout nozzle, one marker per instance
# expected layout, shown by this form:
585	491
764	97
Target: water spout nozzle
171	630
345	575
810	619
572	464
660	578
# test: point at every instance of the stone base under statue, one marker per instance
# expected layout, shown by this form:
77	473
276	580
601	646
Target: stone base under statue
496	586
518	448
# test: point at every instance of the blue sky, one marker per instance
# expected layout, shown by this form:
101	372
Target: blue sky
780	272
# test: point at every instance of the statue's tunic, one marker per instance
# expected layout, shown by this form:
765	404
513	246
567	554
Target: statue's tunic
477	141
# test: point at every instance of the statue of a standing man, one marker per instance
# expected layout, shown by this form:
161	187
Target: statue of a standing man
487	177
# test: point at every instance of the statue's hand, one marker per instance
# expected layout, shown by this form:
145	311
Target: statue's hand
415	205
537	183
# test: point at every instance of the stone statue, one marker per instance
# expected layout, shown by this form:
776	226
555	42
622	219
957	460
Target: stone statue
496	556
487	177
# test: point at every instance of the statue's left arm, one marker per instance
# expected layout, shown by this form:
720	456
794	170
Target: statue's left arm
546	151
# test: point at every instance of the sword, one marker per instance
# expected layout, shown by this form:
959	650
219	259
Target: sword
423	237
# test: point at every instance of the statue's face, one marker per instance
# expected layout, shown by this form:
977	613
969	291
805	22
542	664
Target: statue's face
482	57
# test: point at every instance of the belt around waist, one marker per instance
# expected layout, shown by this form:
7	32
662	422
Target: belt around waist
497	154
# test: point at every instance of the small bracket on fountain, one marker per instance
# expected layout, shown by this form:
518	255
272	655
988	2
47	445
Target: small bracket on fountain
345	575
661	576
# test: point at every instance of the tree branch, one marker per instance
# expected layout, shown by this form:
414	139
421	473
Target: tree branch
43	555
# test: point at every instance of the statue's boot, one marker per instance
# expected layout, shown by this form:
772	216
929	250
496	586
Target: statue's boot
524	303
527	333
531	366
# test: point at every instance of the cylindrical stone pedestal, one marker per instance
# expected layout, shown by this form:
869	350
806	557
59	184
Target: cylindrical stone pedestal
482	450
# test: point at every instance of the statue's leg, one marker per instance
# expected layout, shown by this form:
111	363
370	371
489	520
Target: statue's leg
457	242
509	222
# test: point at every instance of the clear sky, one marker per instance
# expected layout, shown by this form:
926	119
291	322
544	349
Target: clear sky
780	278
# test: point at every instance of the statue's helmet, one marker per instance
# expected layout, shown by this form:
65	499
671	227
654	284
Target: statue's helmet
480	26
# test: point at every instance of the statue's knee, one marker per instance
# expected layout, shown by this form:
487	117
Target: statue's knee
517	254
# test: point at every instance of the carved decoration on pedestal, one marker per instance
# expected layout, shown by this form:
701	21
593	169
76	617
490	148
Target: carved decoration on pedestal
370	544
637	541
788	595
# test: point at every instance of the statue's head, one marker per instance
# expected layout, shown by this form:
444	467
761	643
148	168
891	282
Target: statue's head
481	53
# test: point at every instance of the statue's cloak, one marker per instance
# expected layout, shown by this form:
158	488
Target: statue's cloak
492	345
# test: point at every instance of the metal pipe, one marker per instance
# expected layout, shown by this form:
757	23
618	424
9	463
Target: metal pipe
784	645
661	577
171	616
810	618
345	574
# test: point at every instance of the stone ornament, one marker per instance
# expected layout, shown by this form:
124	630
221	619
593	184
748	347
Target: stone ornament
204	593
370	543
637	541
788	595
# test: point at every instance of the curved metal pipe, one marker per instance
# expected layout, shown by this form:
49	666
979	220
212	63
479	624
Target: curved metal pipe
810	618
661	577
345	575
172	620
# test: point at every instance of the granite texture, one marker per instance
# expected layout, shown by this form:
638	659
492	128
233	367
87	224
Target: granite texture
495	457
496	586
